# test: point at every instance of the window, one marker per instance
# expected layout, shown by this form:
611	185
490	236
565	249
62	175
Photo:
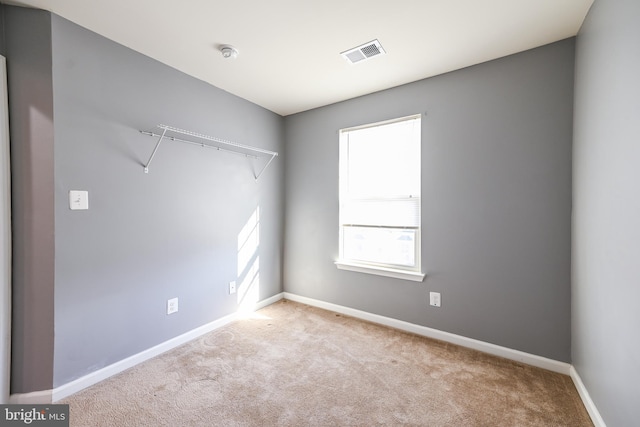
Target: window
380	198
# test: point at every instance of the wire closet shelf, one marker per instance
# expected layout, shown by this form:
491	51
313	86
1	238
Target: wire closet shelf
170	132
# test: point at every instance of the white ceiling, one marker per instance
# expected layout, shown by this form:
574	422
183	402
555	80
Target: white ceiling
290	49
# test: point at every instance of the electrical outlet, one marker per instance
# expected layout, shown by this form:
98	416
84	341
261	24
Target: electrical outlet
172	305
232	288
434	299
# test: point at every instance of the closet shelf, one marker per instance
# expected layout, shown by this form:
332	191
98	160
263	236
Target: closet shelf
169	132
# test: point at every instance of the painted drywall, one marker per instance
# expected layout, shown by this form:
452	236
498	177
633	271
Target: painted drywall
3	50
496	202
5	239
5	236
146	238
28	47
174	232
606	225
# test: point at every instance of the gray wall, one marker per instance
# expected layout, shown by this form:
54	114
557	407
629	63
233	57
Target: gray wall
496	202
606	226
146	237
28	47
3	49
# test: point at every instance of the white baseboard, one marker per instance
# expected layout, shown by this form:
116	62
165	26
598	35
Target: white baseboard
59	393
269	301
95	377
586	399
75	386
496	350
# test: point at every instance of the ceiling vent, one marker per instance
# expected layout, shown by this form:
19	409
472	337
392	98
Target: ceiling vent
366	51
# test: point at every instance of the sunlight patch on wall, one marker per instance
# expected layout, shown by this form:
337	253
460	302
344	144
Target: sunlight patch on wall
249	263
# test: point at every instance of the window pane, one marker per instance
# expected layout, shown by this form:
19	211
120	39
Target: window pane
384	160
390	246
380	194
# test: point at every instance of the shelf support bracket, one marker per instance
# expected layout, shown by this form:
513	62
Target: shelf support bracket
146	167
273	156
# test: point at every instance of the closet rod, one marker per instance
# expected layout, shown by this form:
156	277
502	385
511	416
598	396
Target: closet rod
166	129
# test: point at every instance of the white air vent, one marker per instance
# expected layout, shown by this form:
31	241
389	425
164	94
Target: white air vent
366	51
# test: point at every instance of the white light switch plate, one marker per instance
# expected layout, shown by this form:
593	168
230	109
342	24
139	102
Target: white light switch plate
78	200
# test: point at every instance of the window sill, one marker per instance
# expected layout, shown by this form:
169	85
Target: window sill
380	271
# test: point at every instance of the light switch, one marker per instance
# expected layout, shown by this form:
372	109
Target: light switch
78	200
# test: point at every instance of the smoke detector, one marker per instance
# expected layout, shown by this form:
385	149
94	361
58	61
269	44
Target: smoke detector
362	52
229	51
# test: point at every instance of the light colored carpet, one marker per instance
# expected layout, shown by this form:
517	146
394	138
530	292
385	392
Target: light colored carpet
295	365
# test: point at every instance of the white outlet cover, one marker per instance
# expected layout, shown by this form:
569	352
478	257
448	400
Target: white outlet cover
78	200
434	299
172	305
232	288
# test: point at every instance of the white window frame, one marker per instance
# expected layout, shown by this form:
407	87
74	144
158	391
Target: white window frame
413	273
